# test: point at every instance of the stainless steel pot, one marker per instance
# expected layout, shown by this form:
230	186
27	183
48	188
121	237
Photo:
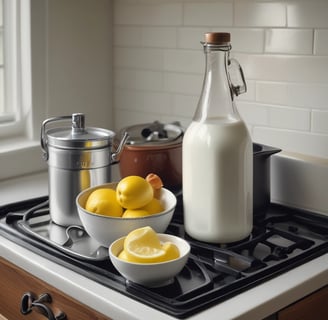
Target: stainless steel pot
78	158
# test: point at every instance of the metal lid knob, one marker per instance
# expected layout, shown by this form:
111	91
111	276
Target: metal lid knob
78	122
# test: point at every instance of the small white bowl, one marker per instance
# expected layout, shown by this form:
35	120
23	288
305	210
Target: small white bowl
106	229
151	274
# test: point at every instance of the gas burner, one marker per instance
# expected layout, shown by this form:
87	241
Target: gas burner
281	240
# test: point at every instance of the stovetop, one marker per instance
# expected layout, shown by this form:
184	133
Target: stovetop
282	239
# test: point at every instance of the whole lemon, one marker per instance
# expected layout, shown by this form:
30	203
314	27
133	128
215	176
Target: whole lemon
154	206
135	213
103	201
134	192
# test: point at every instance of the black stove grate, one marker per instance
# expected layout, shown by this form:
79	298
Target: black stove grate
284	239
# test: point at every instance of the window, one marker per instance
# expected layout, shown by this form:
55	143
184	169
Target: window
20	117
15	72
51	73
1	60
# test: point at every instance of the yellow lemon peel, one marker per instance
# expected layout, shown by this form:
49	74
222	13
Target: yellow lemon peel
134	192
103	201
143	246
135	213
154	206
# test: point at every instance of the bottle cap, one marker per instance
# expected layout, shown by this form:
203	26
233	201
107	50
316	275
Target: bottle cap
218	38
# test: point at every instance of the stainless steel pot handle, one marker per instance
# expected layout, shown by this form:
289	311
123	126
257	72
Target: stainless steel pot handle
119	149
77	126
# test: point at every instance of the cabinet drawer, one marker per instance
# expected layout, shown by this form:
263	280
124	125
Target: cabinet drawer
314	306
15	282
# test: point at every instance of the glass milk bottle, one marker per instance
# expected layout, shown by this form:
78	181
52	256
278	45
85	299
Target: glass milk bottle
217	154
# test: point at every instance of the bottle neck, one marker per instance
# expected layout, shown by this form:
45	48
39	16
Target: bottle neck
216	101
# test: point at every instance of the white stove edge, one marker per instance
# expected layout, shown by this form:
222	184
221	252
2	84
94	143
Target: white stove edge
256	303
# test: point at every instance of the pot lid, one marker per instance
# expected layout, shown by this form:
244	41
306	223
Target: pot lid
153	134
76	136
89	138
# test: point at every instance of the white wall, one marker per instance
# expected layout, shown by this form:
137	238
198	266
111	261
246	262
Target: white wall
281	45
79	59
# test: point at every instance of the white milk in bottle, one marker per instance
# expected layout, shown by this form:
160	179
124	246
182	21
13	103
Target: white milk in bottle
217	157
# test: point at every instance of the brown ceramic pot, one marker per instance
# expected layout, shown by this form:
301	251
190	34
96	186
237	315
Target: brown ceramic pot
154	148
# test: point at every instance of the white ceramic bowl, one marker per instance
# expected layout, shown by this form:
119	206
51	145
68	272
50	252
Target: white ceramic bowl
151	274
106	229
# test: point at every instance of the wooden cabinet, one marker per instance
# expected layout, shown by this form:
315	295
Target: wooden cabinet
314	306
15	282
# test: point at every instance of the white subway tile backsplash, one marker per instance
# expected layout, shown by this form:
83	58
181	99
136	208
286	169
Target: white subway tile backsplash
189	84
2	94
320	121
309	95
125	118
138	36
321	42
290	118
184	61
260	14
253	113
292	140
154	102
138	79
149	80
184	105
157	102
271	92
218	13
249	40
139	58
161	37
243	40
150	14
293	94
1	43
312	13
285	68
282	46
190	38
289	41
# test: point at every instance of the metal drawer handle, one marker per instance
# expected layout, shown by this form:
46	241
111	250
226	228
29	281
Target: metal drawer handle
29	301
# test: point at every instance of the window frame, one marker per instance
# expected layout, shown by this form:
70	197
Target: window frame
14	50
20	151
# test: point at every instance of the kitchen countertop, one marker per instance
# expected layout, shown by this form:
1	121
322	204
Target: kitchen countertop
256	303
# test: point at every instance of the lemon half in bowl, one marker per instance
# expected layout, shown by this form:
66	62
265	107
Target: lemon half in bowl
151	274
